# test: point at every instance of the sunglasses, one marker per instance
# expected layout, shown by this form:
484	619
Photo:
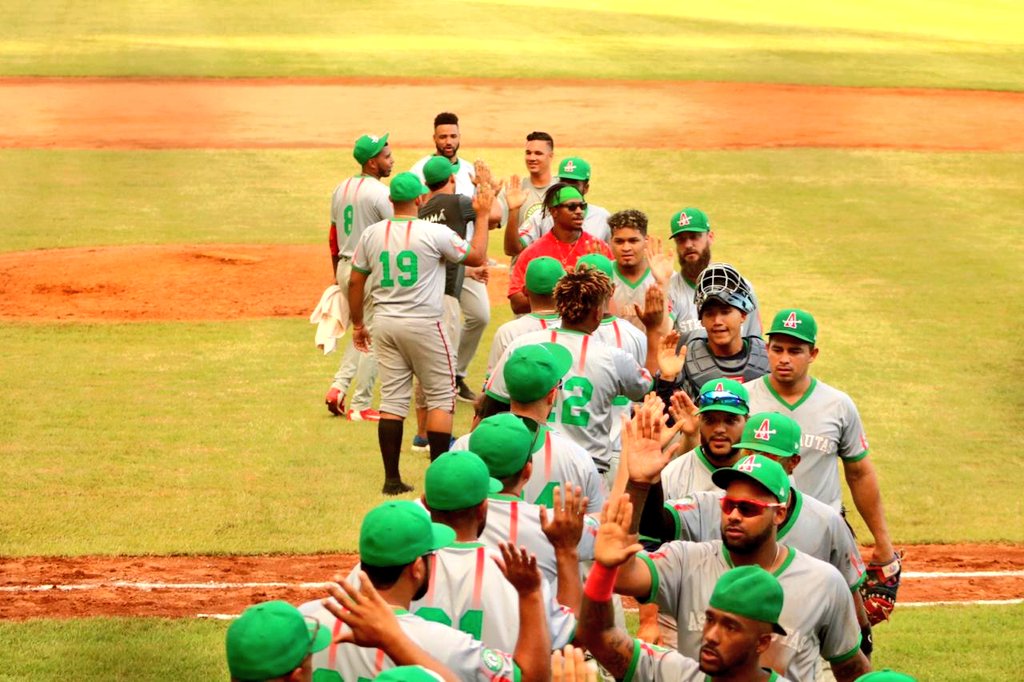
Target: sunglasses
574	206
313	625
534	426
720	398
747	508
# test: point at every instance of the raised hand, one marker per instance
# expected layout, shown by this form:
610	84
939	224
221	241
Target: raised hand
570	665
519	567
684	412
671	357
515	195
615	545
662	264
641	441
652	314
564	526
483	198
371	621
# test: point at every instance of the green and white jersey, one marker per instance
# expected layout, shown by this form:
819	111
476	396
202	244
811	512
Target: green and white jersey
813	528
468	592
468	658
616	332
513	329
404	260
595	223
356	204
464	175
680	296
510	519
831	428
628	294
556	460
583	410
817	611
688	473
652	663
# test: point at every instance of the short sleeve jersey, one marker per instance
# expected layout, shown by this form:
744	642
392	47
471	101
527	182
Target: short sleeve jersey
583	409
595	223
404	260
688	473
558	460
652	663
456	212
356	204
468	592
684	310
465	173
831	429
627	295
513	329
468	658
817	611
548	245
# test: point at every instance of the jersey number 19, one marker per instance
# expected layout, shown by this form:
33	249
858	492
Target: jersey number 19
407	264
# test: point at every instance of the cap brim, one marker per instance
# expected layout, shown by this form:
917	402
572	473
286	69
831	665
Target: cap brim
443	536
778	629
494	486
731	409
761	447
723	477
562	356
322	639
689	229
789	332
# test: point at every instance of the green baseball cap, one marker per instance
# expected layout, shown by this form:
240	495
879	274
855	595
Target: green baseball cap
542	274
437	169
574	168
773	433
723	395
598	262
369	146
503	442
759	469
567	194
271	639
458	479
408	673
797	323
885	675
751	592
406	187
689	220
397	533
531	371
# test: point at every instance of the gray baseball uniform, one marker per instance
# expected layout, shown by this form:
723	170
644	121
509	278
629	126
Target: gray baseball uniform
680	296
831	429
652	663
616	332
688	473
627	295
817	612
583	410
595	223
515	328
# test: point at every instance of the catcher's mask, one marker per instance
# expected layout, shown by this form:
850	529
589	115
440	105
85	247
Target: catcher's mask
721	281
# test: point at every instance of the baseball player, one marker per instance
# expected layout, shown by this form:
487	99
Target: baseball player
357	203
532	376
395	541
723	303
566	242
539	154
818	612
447	140
575	172
466	589
400	262
599	373
832	429
639	265
272	641
692	233
742	614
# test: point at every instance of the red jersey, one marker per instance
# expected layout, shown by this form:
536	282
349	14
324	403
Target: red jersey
548	245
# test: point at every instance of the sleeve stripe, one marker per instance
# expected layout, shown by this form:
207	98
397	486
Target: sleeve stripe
655	580
856	458
631	670
848	655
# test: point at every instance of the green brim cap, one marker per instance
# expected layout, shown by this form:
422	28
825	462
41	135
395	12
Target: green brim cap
751	592
689	220
369	146
458	479
574	168
408	673
885	675
567	194
773	433
723	395
437	169
406	187
797	323
503	442
271	640
542	274
759	469
596	261
531	371
397	533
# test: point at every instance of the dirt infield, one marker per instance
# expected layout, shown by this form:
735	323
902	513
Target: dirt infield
56	587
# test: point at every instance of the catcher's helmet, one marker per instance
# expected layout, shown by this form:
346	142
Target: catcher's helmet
721	281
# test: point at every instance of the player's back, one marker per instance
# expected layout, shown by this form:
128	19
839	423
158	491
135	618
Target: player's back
513	329
357	203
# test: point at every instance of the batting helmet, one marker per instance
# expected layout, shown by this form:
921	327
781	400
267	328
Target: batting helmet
722	282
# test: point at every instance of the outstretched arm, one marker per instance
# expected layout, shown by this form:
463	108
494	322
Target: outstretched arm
564	530
533	647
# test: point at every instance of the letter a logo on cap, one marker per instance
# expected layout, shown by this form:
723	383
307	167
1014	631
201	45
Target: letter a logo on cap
791	321
748	465
570	166
720	387
684	220
765	431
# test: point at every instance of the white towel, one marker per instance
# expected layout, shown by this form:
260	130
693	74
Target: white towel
331	317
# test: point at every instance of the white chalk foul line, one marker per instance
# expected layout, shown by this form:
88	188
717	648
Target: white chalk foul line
963	574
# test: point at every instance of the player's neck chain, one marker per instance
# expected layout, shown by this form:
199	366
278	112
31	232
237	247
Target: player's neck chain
564	258
775	562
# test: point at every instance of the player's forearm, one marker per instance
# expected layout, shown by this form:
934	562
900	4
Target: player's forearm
867	497
511	237
595	629
533	648
850	669
519	302
638	496
403	651
653	343
656	521
570	587
478	247
356	290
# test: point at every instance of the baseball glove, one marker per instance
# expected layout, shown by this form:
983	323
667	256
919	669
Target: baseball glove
880	588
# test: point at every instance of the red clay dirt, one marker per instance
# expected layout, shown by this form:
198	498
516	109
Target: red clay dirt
108	599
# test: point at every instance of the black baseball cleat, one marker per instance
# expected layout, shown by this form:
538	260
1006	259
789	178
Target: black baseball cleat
463	392
395	487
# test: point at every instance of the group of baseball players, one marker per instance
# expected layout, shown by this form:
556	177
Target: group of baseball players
636	436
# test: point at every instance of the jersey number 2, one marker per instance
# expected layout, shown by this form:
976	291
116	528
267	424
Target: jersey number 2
574	411
406	262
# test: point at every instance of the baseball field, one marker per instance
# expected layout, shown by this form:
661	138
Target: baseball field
166	172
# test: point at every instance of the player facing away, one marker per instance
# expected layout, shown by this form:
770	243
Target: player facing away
741	616
831	430
400	262
357	203
272	641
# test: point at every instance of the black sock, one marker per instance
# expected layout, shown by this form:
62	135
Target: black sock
439	443
389	436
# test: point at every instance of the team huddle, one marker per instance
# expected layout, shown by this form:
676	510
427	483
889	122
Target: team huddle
638	434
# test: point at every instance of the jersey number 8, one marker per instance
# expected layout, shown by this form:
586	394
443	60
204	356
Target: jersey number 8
407	264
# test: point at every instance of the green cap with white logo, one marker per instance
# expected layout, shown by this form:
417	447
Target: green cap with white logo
723	395
751	592
758	468
773	433
689	220
574	168
369	146
797	323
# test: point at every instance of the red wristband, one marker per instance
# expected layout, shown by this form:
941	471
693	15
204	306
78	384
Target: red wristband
600	583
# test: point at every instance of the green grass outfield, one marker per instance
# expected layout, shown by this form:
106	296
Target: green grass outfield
926	43
941	644
212	437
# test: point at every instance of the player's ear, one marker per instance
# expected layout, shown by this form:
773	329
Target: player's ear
764	640
711	237
527	470
814	353
795	460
